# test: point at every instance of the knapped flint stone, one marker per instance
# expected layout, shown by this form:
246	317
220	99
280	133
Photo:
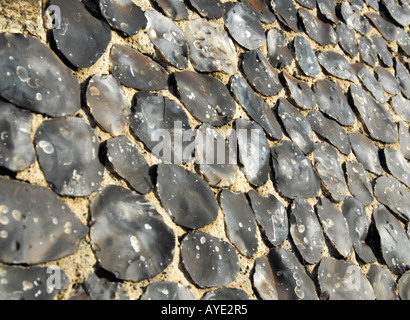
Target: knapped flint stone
36	226
359	182
382	50
135	70
43	85
367	51
400	13
371	84
402	107
343	280
286	13
16	149
217	160
261	9
403	78
67	151
123	15
321	32
330	130
240	222
271	216
210	262
294	174
186	196
403	40
404	140
100	289
327	164
306	58
397	165
210	48
354	19
404	287
168	38
358	225
279	54
388	30
366	152
300	92
244	26
167	291
226	294
260	73
393	195
373	3
175	9
383	283
82	39
296	125
387	80
328	9
377	119
306	231
108	104
154	116
127	225
310	4
335	226
206	98
347	40
395	245
209	9
336	65
129	164
332	100
256	107
280	276
21	283
254	151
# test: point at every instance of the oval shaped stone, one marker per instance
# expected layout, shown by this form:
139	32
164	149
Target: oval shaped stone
347	39
262	10
240	222
359	182
402	107
394	195
279	53
335	226
16	148
210	48
319	31
337	65
35	78
366	152
175	9
383	283
254	151
387	80
353	17
305	56
371	84
108	104
294	174
400	13
22	283
296	125
67	151
280	276
327	164
208	9
186	196
300	92
167	291
126	224
206	98
210	262
367	51
395	245
168	38
81	38
397	165
404	140
123	15
341	280
244	26
359	226
332	100
101	289
271	216
135	70
129	164
306	231
35	225
286	12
